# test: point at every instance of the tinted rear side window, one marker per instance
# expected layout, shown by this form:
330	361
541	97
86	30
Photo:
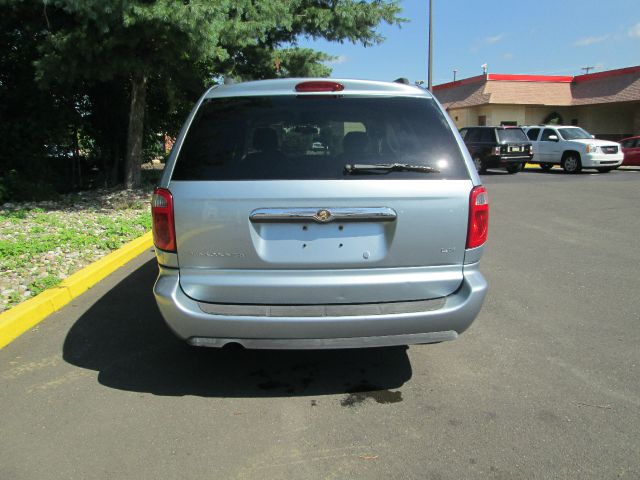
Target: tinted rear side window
289	137
512	135
473	135
532	134
487	135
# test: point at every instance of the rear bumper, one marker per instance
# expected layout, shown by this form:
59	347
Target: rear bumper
501	161
190	322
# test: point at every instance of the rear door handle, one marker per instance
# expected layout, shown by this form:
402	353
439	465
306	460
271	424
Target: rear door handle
323	215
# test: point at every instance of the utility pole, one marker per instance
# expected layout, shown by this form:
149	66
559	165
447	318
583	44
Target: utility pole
587	69
430	82
455	70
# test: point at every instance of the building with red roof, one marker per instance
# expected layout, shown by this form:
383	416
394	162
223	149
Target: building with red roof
606	104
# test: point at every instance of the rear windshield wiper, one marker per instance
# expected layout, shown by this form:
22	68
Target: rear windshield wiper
350	168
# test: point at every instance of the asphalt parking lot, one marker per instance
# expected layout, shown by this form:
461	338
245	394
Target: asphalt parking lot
545	384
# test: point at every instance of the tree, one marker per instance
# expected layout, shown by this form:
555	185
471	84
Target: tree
143	47
32	120
260	62
111	41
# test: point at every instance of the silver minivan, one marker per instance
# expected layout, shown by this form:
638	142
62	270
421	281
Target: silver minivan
316	213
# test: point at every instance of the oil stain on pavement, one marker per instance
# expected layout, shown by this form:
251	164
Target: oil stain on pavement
366	391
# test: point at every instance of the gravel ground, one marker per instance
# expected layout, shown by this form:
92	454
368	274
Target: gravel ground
42	243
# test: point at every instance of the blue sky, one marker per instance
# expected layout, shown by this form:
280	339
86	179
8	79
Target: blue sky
536	37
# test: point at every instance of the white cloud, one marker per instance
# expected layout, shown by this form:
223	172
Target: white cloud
586	41
487	41
338	60
634	31
508	56
494	39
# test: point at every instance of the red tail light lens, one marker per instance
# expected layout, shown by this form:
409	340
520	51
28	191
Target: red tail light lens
478	217
319	86
164	231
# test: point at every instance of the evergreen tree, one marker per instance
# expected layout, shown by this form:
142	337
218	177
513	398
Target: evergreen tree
123	58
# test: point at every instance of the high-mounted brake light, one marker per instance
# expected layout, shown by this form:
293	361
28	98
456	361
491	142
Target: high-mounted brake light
478	227
164	231
319	86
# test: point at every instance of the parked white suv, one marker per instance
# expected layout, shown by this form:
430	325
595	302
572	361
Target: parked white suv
572	148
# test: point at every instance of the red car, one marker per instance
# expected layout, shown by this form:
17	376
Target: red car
631	150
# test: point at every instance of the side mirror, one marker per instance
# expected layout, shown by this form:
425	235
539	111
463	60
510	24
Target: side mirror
593	136
553	138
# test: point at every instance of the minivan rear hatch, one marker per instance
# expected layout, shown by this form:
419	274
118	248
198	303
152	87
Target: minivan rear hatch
308	199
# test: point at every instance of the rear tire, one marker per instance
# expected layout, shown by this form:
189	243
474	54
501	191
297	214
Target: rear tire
545	167
479	164
515	168
604	170
571	163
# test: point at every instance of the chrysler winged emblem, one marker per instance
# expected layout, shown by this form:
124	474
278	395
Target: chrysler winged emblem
323	216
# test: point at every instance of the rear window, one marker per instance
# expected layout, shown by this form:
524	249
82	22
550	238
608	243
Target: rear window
313	137
512	135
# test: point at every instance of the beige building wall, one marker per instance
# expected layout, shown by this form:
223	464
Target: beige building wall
468	117
461	116
486	111
495	114
537	115
611	121
507	113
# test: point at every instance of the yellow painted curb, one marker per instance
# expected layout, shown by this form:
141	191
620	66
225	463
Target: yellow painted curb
17	320
537	165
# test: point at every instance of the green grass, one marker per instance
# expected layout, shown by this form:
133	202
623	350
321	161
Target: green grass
41	284
20	245
52	233
14	216
14	298
39	248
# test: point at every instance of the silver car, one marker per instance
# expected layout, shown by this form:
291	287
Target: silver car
265	241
